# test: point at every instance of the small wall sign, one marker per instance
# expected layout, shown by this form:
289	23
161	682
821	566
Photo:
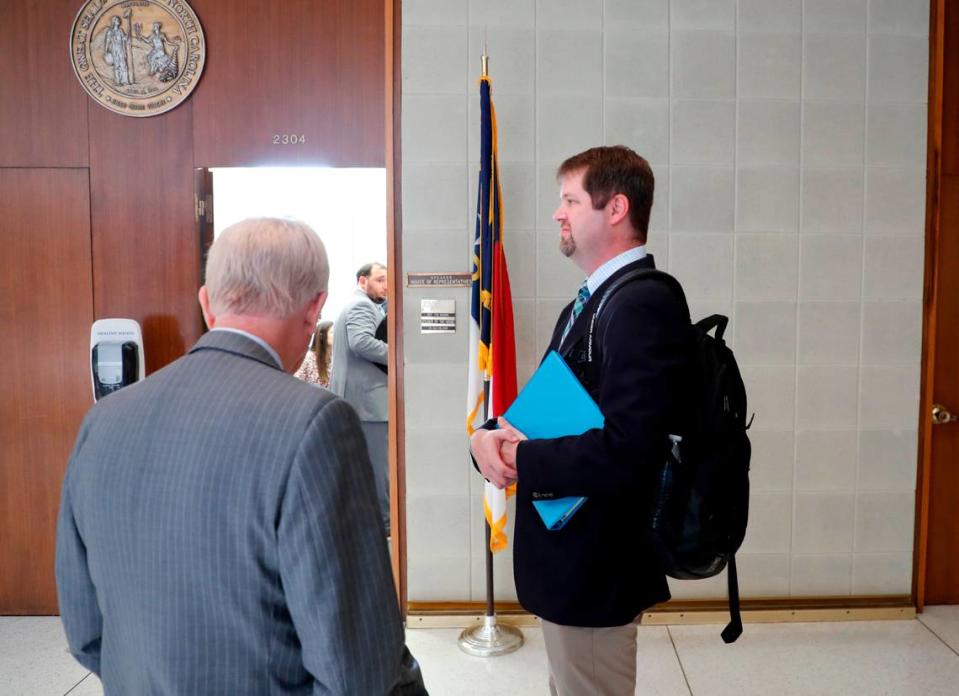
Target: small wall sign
439	280
437	316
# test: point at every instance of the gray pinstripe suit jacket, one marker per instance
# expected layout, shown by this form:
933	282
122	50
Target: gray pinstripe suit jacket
219	534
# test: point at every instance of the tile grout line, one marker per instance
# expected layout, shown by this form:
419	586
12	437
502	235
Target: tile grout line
734	237
602	69
537	192
679	660
668	217
856	494
793	496
941	639
73	688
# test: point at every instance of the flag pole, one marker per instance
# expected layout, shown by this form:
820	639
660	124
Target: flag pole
489	639
490	602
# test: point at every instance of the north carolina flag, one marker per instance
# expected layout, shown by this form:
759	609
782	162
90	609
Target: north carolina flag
492	362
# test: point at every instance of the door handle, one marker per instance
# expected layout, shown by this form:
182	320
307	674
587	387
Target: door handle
940	416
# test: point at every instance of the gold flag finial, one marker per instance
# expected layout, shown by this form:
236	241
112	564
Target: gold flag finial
485	56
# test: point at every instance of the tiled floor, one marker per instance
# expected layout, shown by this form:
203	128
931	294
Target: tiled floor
910	658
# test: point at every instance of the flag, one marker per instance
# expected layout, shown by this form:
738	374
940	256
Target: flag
492	360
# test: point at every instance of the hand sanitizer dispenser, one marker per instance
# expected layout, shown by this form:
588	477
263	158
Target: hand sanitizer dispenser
116	351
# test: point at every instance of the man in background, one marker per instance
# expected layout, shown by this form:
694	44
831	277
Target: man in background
591	579
218	529
358	377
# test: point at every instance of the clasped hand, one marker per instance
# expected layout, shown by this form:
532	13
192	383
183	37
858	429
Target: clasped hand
495	453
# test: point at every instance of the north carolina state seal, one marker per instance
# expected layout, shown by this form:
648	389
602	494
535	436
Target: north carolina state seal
137	57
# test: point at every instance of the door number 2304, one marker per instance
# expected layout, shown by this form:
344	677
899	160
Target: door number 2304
288	139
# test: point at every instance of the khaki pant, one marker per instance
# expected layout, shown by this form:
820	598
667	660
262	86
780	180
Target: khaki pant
591	661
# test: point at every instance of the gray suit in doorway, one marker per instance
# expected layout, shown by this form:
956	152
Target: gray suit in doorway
356	378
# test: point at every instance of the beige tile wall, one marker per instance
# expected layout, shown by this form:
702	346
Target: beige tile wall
788	141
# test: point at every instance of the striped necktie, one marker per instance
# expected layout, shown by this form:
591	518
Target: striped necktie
582	297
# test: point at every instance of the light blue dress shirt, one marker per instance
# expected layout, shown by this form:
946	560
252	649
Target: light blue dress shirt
603	273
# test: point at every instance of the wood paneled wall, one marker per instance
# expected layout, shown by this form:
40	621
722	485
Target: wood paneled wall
119	233
297	67
43	111
46	306
145	243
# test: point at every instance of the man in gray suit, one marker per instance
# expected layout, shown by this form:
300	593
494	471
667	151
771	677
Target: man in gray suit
357	375
218	530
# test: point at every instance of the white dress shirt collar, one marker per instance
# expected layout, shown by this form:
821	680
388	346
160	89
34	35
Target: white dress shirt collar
256	339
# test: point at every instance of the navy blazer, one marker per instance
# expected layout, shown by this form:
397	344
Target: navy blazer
219	534
599	570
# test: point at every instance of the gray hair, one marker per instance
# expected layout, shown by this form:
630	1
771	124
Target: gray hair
265	267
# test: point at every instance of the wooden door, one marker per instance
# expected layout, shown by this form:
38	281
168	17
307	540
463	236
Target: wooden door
46	309
937	580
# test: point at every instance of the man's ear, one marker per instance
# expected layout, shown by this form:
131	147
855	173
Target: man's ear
618	208
315	307
208	316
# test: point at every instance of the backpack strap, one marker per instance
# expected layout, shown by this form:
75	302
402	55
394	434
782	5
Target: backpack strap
651	273
713	321
635	274
734	628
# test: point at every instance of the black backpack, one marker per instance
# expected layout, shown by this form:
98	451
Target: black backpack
700	501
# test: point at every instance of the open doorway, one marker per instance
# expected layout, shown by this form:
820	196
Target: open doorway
348	209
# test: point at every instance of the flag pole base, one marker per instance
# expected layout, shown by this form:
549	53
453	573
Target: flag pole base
490	639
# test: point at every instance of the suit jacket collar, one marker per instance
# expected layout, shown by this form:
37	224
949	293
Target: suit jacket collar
237	344
361	294
581	325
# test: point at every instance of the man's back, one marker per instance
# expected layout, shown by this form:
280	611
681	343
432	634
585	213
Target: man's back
226	514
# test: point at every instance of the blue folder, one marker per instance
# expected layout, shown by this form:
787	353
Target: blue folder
553	404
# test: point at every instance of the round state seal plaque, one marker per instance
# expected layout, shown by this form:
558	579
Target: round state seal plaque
137	57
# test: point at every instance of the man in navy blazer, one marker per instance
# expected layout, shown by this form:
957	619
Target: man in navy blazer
219	531
590	580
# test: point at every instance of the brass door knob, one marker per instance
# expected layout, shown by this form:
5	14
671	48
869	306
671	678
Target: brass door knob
941	416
